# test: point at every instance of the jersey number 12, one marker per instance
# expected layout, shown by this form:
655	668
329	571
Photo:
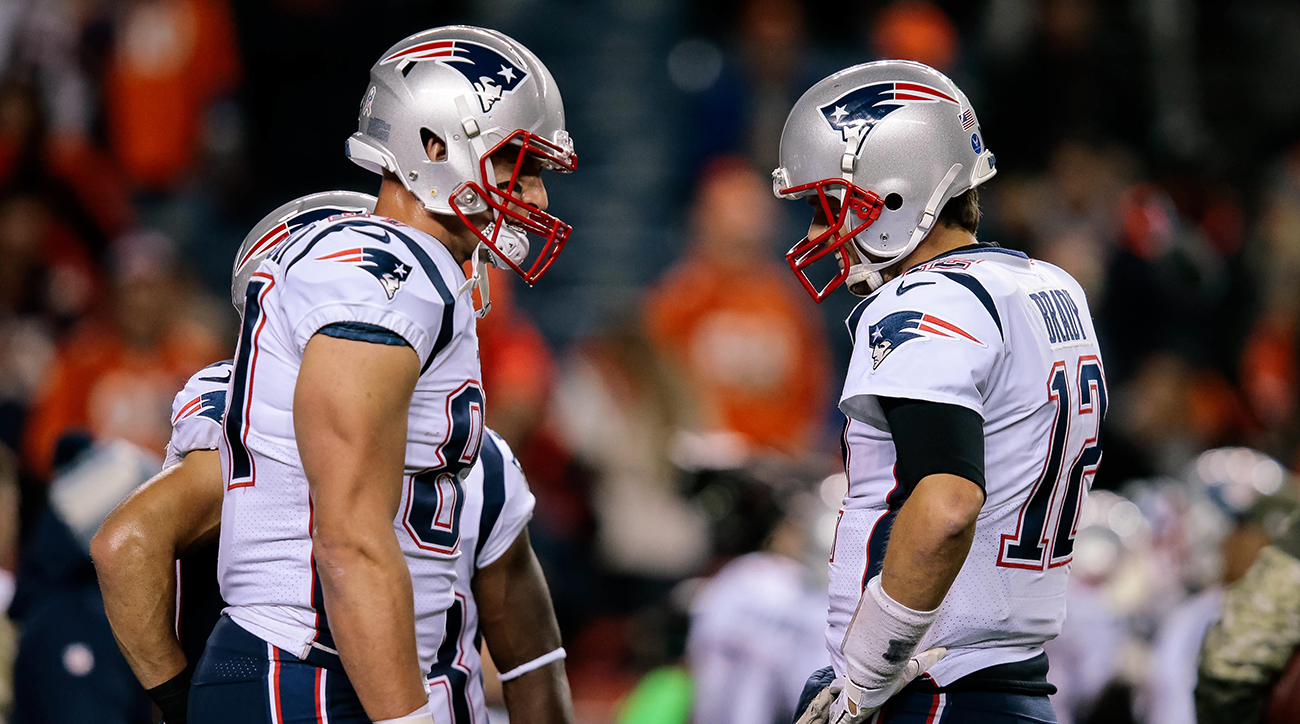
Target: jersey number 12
1037	545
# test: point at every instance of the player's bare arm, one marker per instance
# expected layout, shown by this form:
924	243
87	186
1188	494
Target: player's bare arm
350	412
519	625
930	540
135	554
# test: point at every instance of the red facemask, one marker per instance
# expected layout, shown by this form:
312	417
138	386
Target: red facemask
531	219
860	208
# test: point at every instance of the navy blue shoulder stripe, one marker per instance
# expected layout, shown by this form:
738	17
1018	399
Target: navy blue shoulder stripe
494	490
982	294
218	364
363	332
856	316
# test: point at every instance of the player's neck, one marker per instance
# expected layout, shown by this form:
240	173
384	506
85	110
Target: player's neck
399	204
941	240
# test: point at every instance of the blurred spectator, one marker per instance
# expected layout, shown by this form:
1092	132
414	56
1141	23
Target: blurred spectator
116	375
617	406
63	167
916	30
518	370
172	59
770	67
68	667
1060	69
737	324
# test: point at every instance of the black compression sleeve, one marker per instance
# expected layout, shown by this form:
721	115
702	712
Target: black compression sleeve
172	697
932	438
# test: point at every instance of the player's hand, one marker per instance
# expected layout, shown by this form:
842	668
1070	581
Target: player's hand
854	704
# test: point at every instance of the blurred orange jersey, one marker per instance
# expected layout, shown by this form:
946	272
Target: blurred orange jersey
172	59
101	385
756	355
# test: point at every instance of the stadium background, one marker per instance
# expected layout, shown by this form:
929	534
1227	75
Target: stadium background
1150	147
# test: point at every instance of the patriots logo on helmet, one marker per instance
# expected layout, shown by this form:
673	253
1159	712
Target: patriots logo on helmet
384	267
855	113
900	328
491	73
211	405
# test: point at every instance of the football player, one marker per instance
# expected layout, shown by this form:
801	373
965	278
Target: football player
355	411
178	513
973	399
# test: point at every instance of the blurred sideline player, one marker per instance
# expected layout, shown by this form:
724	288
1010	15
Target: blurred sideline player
758	625
1233	495
178	514
974	397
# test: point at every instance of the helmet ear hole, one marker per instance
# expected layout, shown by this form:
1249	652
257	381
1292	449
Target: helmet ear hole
434	146
893	202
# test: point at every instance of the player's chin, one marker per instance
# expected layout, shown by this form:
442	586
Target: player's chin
861	289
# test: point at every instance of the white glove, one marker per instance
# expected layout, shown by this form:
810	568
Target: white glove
845	710
819	709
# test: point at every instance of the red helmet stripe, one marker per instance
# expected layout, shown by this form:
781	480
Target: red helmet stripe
445	47
918	88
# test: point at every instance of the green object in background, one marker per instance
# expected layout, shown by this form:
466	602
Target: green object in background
663	696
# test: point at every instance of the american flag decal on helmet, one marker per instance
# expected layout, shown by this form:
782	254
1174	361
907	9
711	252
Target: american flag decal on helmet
491	73
967	119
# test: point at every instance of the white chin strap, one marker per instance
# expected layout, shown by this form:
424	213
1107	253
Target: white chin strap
514	246
869	273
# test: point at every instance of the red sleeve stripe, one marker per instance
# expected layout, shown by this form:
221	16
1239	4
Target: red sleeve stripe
927	319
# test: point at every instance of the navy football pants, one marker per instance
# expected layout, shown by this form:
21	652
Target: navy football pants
915	706
241	678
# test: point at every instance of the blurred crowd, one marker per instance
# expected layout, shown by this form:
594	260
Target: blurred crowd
679	437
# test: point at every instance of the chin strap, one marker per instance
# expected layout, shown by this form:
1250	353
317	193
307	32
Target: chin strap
478	279
870	272
513	244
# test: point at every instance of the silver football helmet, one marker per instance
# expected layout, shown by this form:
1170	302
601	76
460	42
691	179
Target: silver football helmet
278	225
891	141
478	92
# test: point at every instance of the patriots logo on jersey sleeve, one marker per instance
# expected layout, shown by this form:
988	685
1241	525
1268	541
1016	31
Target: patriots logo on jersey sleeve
387	269
211	405
902	327
855	113
491	73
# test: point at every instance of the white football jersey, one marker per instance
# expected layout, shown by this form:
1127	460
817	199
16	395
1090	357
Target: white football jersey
757	631
498	504
368	278
197	412
1012	339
